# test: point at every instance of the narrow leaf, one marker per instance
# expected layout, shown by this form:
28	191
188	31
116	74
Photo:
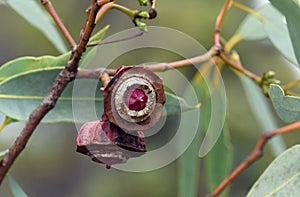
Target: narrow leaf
291	11
209	90
189	169
251	28
281	178
176	105
32	11
21	94
269	22
260	108
26	64
15	187
287	107
218	161
278	33
213	109
189	162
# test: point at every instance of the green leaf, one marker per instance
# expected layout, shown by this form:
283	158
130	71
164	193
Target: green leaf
271	24
263	114
37	16
176	105
291	11
252	28
21	94
6	122
287	107
25	64
209	88
189	162
218	161
277	31
281	178
189	169
15	187
3	153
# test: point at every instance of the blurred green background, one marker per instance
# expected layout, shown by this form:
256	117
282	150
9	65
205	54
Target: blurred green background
49	166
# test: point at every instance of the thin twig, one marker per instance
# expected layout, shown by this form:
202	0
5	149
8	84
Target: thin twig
256	154
117	40
59	23
219	22
64	77
291	85
159	67
236	65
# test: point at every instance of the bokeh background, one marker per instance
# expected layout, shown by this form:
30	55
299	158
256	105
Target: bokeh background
49	166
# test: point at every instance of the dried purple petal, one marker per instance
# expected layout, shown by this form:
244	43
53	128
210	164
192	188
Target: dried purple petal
106	143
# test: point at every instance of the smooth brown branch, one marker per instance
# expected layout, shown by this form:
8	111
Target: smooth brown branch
255	155
59	23
236	65
64	77
219	22
218	44
159	67
291	85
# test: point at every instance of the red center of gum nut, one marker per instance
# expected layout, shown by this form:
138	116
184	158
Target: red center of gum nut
136	99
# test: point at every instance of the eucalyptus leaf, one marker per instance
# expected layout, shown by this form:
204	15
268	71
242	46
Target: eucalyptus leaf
281	178
287	107
15	187
272	25
189	162
33	13
175	104
276	28
218	161
22	93
263	113
251	28
291	10
189	169
25	64
209	89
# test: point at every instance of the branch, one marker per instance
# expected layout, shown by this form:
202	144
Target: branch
237	65
256	154
219	22
59	23
160	67
61	81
